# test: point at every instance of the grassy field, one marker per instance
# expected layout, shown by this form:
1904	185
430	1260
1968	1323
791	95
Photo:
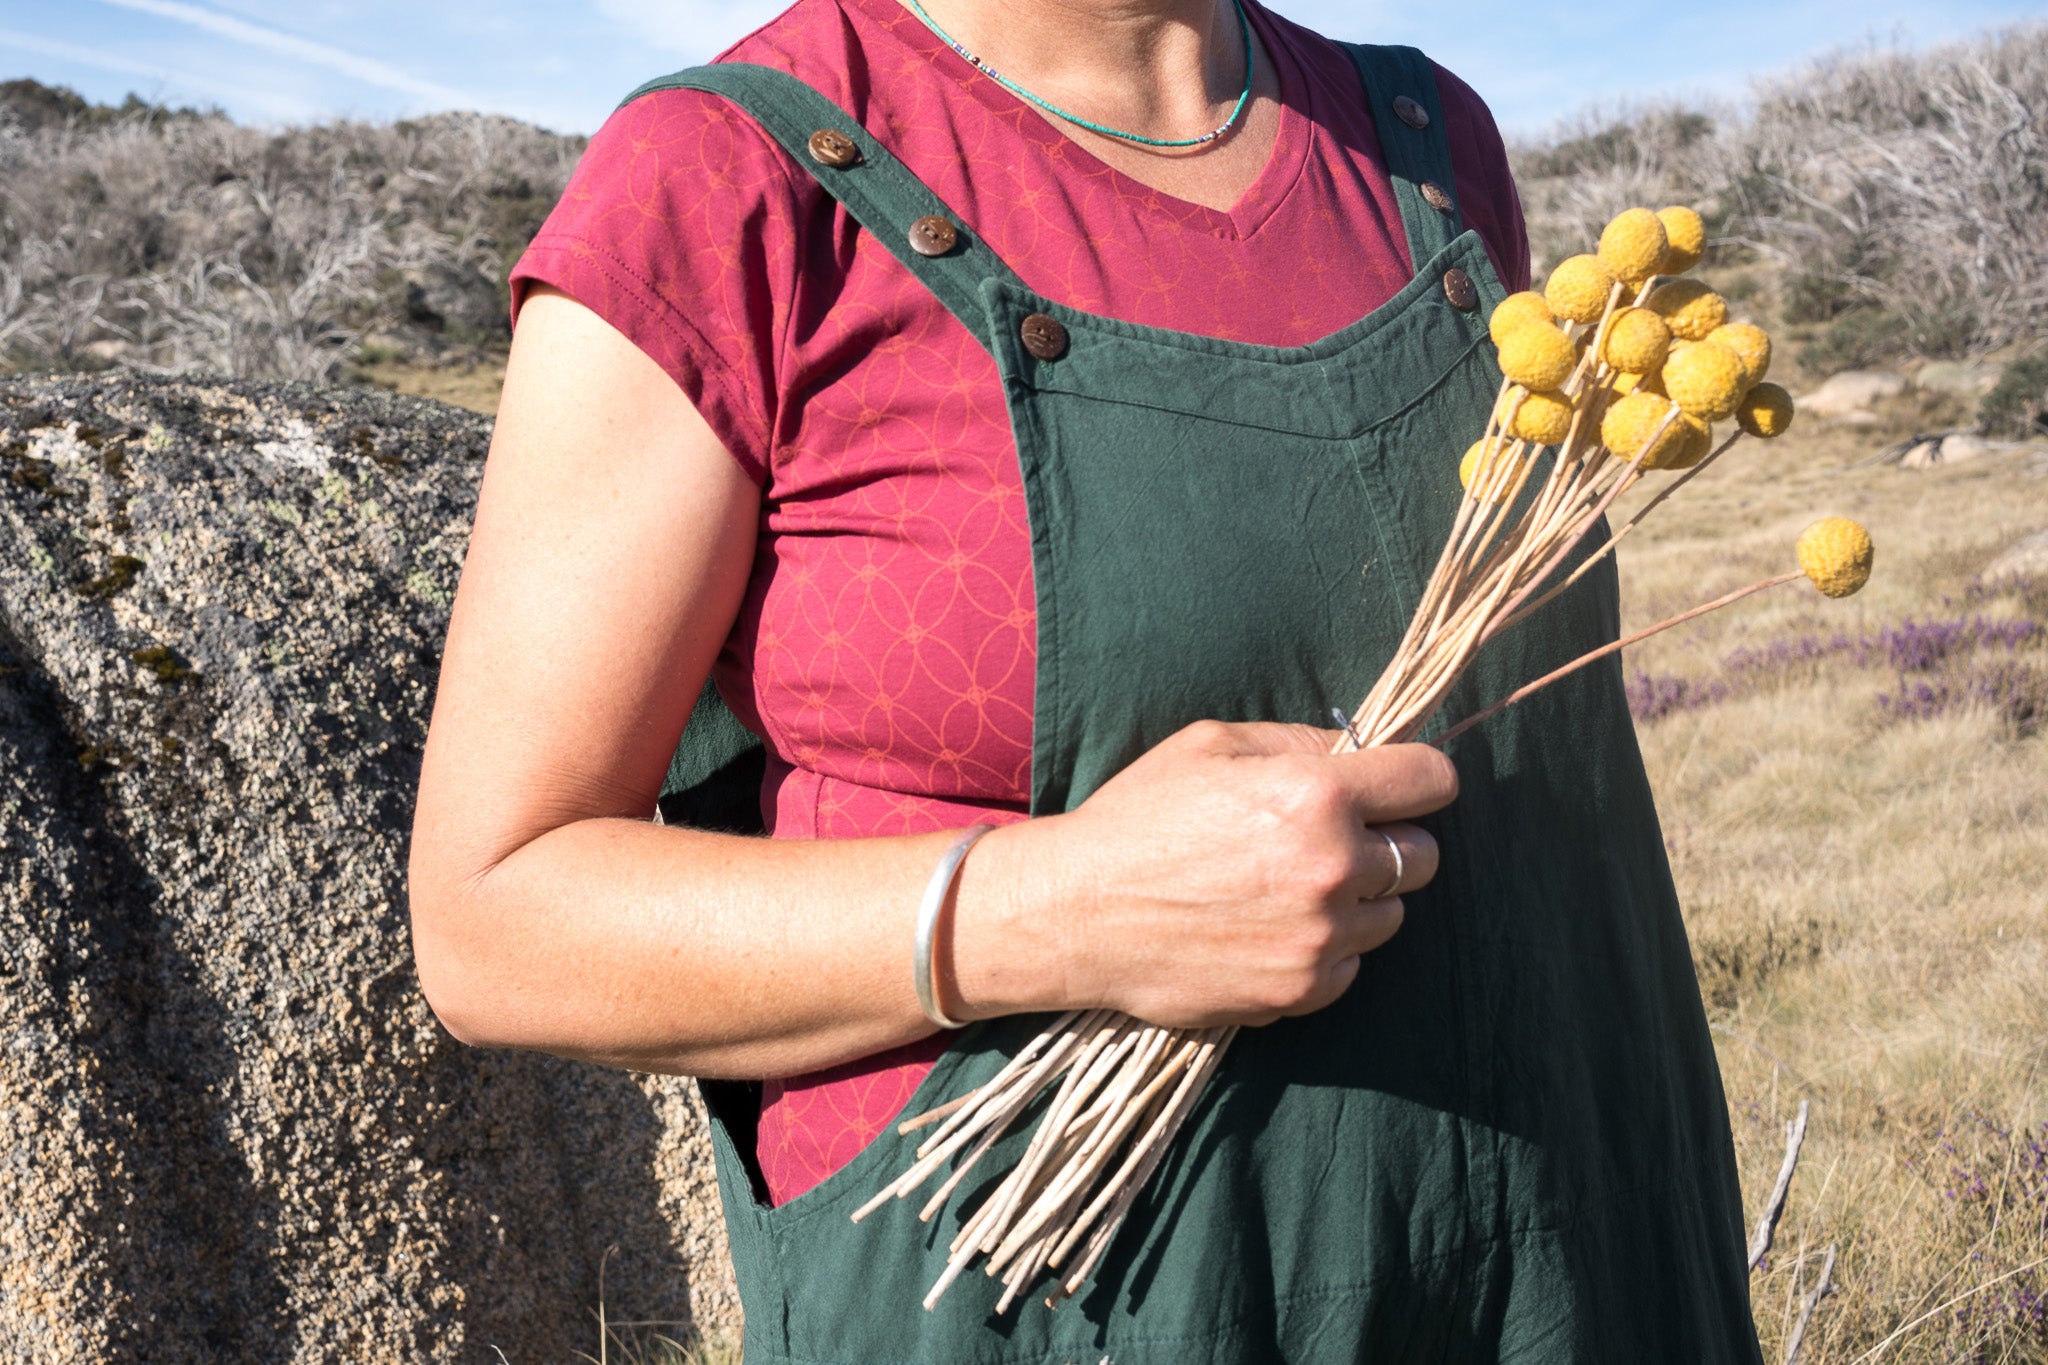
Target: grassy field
1857	812
466	386
1855	796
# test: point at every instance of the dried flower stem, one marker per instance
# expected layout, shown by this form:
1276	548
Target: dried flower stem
1592	656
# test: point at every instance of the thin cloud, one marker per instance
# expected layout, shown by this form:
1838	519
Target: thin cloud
368	70
71	52
164	77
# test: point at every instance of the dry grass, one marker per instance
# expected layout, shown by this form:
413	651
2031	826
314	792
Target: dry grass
1868	899
627	1346
475	387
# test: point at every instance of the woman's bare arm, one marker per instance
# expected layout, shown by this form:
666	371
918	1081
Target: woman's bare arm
1225	876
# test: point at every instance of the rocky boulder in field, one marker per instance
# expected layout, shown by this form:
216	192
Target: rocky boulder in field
229	1127
1849	396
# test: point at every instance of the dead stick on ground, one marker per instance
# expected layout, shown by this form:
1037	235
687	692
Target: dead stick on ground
1820	1288
1774	1209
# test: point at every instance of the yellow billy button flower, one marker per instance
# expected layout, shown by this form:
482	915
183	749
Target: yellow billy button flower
1750	342
1578	289
1543	419
1631	424
1633	246
1836	554
1475	471
1538	357
1687	237
1626	384
1765	411
1695	439
1517	311
1637	341
1706	380
1691	309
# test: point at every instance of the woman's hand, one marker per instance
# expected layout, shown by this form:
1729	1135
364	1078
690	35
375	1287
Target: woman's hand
1233	875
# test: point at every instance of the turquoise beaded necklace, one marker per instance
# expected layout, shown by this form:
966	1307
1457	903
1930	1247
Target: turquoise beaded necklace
1244	29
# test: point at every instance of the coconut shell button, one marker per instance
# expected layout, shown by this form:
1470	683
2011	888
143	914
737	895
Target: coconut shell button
1459	289
1410	113
1437	199
932	235
1043	336
830	147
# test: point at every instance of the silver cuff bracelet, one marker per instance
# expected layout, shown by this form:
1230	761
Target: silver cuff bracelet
935	894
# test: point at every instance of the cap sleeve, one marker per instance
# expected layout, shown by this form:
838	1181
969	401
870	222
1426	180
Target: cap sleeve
680	229
1486	187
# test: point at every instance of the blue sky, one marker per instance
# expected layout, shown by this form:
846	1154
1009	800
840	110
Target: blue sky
565	63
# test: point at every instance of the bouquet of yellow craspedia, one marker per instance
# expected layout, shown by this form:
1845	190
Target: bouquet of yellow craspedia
1614	373
1657	362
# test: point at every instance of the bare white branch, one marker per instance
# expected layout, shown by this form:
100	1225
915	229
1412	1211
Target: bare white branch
1812	1301
1907	182
1774	1207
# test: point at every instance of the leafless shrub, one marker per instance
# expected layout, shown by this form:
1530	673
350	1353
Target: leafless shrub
1909	188
1602	161
182	241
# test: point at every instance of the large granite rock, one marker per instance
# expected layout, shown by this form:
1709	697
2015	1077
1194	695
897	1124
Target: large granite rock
229	1127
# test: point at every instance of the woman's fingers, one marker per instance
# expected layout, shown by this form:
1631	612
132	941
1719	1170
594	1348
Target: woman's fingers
1397	781
1240	871
1361	928
1369	924
1390	782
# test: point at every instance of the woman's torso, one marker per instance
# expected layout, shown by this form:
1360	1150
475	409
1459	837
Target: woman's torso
886	649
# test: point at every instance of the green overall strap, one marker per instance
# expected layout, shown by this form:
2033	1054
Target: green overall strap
1401	91
878	190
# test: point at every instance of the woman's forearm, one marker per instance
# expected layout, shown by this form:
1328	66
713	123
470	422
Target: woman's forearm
674	950
1233	874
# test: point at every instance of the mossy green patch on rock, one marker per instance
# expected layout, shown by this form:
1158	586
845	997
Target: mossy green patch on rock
426	588
163	662
119	575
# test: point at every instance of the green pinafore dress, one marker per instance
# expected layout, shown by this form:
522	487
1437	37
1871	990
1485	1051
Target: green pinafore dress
1508	1140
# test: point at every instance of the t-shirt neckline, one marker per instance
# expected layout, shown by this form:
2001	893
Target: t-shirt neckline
1289	154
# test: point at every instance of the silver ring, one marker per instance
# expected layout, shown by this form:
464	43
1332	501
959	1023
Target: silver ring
1400	866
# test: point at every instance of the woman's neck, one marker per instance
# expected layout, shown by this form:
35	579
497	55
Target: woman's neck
1166	69
1162	68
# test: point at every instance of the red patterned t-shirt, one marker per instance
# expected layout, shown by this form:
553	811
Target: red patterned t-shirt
886	646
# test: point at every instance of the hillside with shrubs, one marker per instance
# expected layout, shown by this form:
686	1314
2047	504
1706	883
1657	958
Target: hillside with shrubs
178	241
1884	205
